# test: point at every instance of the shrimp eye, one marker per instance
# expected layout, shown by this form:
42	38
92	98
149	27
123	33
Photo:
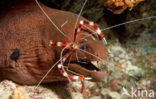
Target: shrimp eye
83	47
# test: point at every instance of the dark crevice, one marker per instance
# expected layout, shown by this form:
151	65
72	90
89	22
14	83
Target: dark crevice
114	19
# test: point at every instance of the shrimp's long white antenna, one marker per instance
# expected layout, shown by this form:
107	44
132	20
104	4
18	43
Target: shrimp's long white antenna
64	49
61	61
78	59
70	70
50	19
73	72
92	54
90	29
64	23
79	16
47	73
51	68
152	17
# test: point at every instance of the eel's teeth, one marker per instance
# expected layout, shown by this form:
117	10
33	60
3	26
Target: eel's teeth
88	78
95	63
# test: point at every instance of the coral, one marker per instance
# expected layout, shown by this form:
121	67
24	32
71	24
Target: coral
19	93
118	60
10	90
6	89
118	6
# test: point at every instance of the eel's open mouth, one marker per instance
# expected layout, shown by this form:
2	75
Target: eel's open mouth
87	69
87	65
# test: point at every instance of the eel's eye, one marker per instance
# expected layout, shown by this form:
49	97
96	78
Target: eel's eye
15	55
83	47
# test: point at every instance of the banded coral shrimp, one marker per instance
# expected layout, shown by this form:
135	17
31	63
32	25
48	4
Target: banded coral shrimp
72	45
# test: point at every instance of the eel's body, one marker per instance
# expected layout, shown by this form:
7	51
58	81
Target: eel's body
25	32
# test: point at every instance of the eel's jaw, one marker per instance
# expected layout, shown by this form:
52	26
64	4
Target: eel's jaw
88	70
